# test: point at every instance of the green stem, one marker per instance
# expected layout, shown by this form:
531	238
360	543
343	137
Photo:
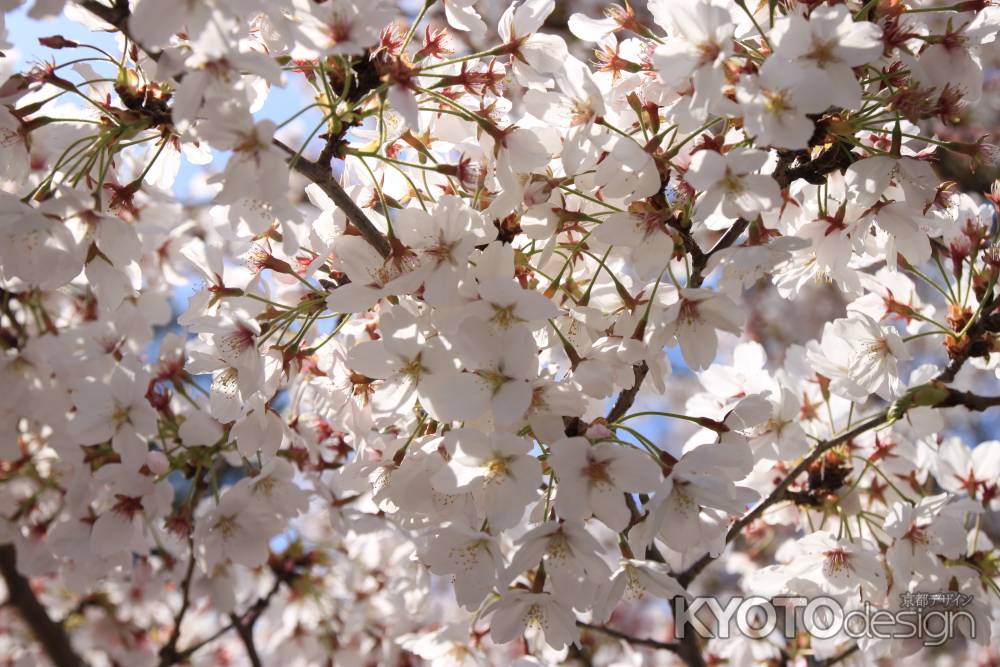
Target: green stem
416	24
495	51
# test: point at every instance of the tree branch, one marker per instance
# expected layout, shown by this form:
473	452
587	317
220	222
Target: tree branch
673	647
318	172
951	398
51	635
699	259
322	175
699	262
778	494
627	397
168	653
967	399
245	631
833	659
251	616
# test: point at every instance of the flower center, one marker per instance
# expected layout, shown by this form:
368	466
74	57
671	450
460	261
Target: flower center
581	111
504	316
837	560
732	184
496	468
876	348
466	556
120	415
338	29
127	506
413	370
776	102
598	472
823	53
443	251
227	526
708	52
534	617
688	313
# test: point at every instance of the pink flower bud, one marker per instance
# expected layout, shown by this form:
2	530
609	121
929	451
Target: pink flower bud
157	462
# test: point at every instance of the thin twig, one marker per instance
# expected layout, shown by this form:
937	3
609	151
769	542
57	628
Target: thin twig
168	653
953	398
317	172
252	614
673	647
778	493
833	659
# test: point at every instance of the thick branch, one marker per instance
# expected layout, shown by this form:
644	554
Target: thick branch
49	634
627	397
699	262
322	175
117	14
244	626
690	650
967	399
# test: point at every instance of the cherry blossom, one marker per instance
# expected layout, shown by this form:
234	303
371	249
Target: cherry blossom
498	471
595	477
470	333
538	613
828	45
729	184
473	559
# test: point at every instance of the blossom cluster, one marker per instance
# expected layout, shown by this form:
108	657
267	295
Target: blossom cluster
456	362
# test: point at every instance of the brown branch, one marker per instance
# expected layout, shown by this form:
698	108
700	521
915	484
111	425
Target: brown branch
833	659
968	400
317	172
251	616
699	262
627	397
949	399
245	631
51	635
673	647
934	394
690	649
168	653
322	175
784	174
778	493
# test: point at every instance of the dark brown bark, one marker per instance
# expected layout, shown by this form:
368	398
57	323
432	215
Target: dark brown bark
50	635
